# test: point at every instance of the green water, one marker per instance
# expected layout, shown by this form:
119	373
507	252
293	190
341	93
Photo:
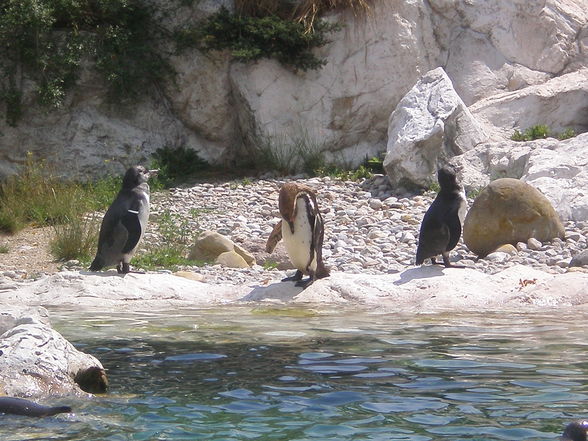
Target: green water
295	374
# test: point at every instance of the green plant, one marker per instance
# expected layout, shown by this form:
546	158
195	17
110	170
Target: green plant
4	249
37	196
287	155
474	192
176	165
270	264
539	131
177	234
45	41
250	38
566	134
305	11
434	187
77	238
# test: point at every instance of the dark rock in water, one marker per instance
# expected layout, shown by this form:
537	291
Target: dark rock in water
20	406
575	431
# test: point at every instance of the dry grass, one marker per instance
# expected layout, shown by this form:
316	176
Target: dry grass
305	11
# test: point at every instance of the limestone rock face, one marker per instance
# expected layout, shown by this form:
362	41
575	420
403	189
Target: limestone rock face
430	123
210	245
344	107
558	103
514	63
35	360
509	211
559	169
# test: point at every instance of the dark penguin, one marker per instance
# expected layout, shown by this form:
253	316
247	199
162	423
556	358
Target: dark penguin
575	431
302	230
441	226
20	406
124	223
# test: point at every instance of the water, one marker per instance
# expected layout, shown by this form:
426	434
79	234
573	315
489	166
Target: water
296	374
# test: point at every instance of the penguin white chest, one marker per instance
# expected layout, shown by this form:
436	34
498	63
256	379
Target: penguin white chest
298	243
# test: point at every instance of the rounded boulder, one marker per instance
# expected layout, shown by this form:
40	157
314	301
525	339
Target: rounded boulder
509	211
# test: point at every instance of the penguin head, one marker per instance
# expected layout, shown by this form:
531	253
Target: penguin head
137	175
447	178
575	431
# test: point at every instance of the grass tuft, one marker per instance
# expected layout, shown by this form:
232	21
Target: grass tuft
177	235
76	239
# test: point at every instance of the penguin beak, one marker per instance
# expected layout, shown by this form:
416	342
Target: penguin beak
153	172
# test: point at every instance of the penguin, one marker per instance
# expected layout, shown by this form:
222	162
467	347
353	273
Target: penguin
125	222
20	406
302	230
441	227
575	431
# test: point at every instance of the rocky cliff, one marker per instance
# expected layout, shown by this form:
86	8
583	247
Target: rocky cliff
512	64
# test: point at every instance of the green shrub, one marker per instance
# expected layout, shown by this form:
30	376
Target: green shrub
176	165
250	38
540	131
177	235
37	196
566	134
77	238
46	40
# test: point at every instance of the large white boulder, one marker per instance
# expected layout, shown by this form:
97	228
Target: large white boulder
559	103
559	169
430	124
493	46
35	360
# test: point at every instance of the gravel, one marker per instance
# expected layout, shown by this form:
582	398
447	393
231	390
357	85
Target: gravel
368	228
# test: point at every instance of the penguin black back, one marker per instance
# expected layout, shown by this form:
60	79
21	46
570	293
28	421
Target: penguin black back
575	431
125	222
441	227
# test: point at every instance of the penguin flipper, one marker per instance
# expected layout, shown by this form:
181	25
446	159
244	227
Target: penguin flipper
274	237
133	226
318	234
454	226
433	240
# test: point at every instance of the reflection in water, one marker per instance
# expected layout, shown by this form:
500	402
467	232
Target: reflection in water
242	374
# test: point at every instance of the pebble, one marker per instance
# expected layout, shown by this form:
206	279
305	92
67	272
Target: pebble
368	228
534	244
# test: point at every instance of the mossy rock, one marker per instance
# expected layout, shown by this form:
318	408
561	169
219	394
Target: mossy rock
509	211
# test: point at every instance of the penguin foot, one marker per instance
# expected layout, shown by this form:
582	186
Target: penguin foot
296	277
123	268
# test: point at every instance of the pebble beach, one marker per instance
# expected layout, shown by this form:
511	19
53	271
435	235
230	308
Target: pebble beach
368	228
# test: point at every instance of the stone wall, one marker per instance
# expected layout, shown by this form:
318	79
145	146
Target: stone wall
491	50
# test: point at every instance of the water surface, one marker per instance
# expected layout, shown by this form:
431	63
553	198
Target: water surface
299	375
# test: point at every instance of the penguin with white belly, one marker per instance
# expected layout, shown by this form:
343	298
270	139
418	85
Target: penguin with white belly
125	222
302	230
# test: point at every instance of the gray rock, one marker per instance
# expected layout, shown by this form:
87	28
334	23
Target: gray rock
580	259
35	360
430	123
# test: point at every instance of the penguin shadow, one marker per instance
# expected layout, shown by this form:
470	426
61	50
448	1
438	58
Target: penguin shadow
420	272
282	291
